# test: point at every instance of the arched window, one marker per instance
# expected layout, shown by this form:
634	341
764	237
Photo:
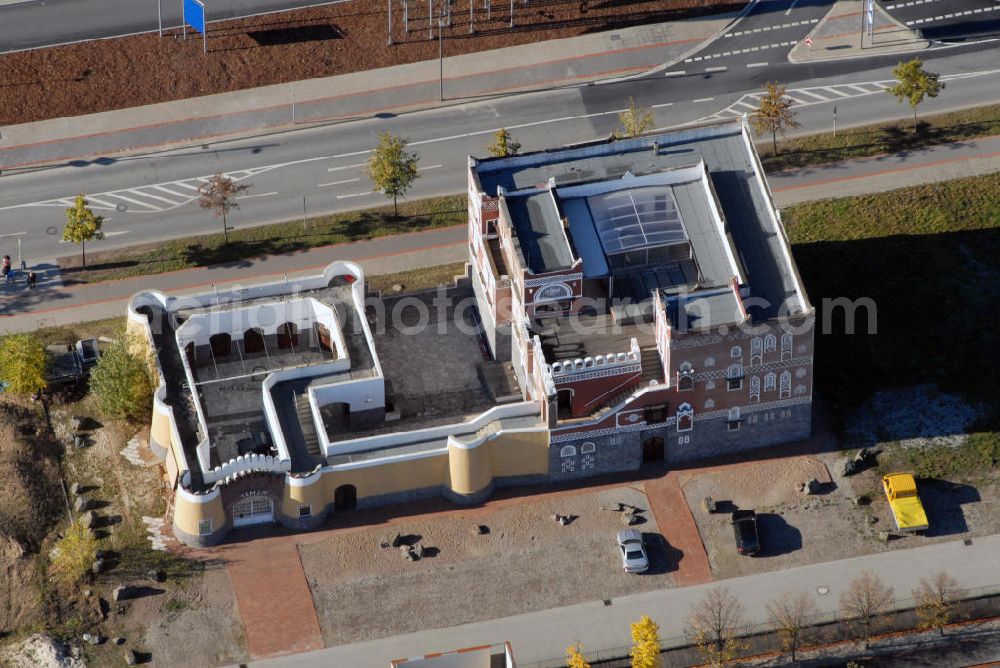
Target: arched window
288	335
754	389
685	417
253	341
769	380
734	413
756	350
685	383
786	385
769	343
736	352
567	451
587	448
734	377
786	346
221	345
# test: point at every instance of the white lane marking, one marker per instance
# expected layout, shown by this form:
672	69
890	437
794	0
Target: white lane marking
665	104
340	169
791	7
364	194
115	233
256	195
162	199
675	73
942	17
702	99
337	183
100	203
716	69
428	167
183	185
741	103
171	192
859	89
831	89
805	91
756	64
132	200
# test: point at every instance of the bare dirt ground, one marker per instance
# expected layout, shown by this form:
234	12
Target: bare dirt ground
362	591
797	529
132	71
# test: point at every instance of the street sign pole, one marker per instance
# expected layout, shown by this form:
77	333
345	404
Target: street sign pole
159	17
390	22
441	58
834	120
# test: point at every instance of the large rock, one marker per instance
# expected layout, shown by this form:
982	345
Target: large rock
81	504
89	519
75	488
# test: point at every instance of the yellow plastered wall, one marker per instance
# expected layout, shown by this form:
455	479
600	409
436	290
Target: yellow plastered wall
519	453
389	478
469	468
159	428
188	514
313	494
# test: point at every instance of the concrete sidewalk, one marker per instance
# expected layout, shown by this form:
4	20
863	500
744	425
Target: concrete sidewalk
360	94
540	638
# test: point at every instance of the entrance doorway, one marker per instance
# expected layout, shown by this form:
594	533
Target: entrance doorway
253	510
652	450
564	405
345	497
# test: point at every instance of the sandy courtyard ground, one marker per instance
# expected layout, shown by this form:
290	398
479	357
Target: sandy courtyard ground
362	591
796	529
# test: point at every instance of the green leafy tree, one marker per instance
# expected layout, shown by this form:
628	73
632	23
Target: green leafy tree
82	226
391	168
913	84
503	144
23	363
645	652
221	194
867	598
774	113
74	555
717	622
936	601
790	616
634	121
121	381
574	658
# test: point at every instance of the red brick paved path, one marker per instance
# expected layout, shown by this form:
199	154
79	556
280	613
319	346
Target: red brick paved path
674	519
274	600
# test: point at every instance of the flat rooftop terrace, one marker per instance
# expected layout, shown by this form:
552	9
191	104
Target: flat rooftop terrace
436	366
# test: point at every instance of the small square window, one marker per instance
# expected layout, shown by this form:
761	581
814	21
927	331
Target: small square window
205	527
734	383
305	511
733	425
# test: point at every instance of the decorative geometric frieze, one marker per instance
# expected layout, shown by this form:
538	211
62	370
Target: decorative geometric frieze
543	280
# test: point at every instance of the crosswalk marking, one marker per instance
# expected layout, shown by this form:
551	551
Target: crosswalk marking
813	95
153	198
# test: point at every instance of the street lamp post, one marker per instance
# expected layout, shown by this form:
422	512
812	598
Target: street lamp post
441	58
390	21
159	17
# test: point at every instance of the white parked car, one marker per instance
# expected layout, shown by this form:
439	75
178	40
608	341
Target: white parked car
633	551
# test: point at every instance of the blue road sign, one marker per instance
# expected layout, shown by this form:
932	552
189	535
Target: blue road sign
194	14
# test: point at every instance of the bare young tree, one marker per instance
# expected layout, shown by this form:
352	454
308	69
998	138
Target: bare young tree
220	194
790	616
936	601
717	621
634	121
866	599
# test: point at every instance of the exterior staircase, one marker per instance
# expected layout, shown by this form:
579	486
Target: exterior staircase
652	367
304	413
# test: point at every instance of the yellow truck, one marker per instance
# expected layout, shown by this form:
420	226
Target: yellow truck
901	490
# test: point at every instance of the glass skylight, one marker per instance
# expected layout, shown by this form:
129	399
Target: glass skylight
637	218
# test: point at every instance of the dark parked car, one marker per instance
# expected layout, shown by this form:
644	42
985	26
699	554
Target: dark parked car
745	529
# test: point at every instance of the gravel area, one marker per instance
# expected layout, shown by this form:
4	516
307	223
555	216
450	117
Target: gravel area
362	591
796	529
291	46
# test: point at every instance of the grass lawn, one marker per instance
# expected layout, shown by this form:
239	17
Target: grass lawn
880	138
417	279
929	258
287	237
